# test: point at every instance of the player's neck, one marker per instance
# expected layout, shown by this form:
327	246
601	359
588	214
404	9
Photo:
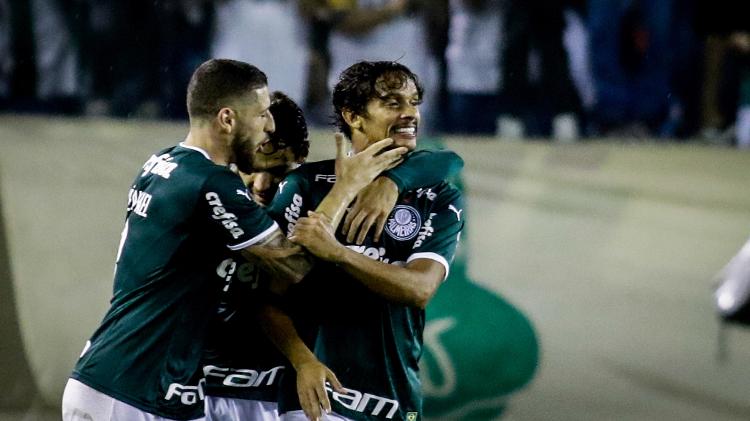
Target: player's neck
204	138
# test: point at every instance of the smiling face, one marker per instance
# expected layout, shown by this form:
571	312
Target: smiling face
392	112
251	137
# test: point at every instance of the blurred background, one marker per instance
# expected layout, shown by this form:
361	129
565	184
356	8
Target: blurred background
558	69
606	180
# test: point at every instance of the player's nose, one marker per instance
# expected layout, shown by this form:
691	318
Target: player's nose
270	124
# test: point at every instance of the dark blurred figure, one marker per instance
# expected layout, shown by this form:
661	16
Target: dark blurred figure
473	76
643	61
186	28
537	88
321	16
726	93
41	63
6	53
123	57
142	53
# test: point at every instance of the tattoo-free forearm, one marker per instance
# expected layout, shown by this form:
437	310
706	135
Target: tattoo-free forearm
279	328
414	284
335	203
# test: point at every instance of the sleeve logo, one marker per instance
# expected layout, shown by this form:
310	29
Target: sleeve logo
228	219
161	165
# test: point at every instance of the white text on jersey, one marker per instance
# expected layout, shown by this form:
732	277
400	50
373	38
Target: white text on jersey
242	377
291	213
159	165
328	178
356	401
138	202
228	219
189	395
425	232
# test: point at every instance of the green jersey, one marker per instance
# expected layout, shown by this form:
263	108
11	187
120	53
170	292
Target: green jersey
183	212
372	345
240	361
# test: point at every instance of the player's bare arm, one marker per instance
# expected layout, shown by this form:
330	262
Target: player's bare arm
288	263
413	284
375	202
311	373
284	261
355	172
371	209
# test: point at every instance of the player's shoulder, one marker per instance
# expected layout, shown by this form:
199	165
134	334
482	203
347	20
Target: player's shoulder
444	187
440	194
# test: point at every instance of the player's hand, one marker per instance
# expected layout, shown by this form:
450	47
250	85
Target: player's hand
315	233
372	207
311	379
360	169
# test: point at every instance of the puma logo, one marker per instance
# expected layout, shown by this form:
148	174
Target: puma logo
456	211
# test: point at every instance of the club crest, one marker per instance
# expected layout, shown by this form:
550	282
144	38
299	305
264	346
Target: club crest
404	223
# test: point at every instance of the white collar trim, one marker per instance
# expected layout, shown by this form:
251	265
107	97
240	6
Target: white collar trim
195	148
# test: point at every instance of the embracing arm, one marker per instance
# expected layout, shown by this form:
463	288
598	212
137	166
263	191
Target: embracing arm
286	262
355	173
425	168
375	202
311	373
413	284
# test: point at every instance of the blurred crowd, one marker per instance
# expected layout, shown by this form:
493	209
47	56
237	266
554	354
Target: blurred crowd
559	69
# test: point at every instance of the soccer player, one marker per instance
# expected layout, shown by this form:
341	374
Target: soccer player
372	337
242	368
185	209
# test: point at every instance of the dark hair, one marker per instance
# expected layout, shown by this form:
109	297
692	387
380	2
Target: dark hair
357	85
291	127
219	81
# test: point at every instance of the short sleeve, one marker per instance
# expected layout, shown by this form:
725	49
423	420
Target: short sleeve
441	231
292	201
232	213
425	168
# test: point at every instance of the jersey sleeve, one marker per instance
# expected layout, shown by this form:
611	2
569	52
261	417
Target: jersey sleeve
441	232
291	202
232	213
425	168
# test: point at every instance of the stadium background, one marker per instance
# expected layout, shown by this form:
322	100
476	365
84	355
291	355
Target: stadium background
608	248
583	287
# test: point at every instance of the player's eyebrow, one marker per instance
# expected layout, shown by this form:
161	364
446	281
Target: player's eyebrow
389	95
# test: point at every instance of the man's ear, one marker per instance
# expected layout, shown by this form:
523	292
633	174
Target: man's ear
226	120
352	120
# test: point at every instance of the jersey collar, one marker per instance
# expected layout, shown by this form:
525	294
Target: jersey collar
195	148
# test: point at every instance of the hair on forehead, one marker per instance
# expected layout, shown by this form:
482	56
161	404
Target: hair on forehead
218	82
389	82
366	80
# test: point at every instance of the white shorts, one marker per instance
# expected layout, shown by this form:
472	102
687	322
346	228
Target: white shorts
82	403
299	415
230	409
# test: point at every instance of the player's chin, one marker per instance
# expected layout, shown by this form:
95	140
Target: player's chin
407	141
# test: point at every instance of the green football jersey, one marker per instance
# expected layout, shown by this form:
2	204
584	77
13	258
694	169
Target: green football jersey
372	345
183	213
240	361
